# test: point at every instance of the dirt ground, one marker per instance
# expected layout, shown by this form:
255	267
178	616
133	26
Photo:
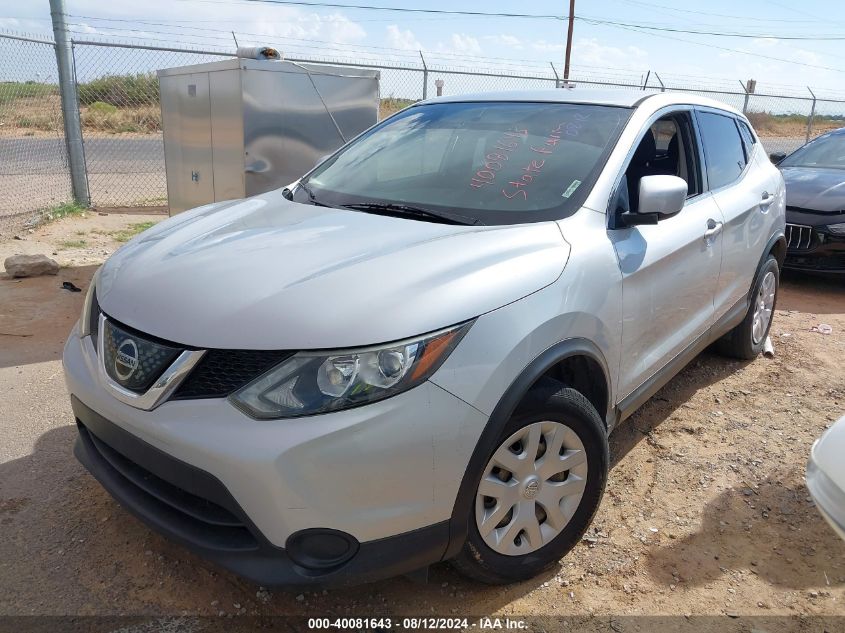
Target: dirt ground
705	512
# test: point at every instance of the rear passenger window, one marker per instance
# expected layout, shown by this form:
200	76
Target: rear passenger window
723	151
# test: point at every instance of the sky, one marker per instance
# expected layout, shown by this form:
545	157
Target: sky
600	50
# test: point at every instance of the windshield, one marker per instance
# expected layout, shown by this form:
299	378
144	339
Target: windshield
494	163
825	151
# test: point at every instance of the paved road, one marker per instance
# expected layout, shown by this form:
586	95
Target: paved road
121	172
103	155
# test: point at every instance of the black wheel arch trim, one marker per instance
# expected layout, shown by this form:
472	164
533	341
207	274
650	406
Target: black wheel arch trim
770	246
458	524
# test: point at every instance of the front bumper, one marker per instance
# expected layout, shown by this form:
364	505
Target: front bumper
826	254
383	478
829	497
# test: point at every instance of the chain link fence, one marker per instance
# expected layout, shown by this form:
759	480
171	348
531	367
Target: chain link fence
121	118
33	157
121	121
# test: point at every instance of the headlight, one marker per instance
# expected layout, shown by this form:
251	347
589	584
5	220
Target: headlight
90	315
837	229
318	382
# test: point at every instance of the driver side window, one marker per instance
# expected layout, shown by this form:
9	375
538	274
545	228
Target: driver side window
667	148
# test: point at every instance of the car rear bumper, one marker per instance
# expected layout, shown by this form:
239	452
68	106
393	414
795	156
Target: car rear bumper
829	497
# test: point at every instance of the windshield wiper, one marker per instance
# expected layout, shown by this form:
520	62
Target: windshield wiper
311	195
398	210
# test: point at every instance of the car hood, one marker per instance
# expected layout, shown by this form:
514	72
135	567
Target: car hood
267	273
814	191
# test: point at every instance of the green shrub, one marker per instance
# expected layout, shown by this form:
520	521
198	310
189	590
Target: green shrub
11	90
121	90
102	107
43	122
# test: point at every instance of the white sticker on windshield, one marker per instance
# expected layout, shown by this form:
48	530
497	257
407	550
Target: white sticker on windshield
571	188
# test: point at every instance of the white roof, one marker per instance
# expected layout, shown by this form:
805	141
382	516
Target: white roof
612	97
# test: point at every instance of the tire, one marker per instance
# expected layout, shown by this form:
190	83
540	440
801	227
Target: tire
746	340
554	410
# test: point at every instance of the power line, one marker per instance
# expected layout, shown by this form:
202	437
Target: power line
396	9
732	50
226	33
713	33
404	56
587	19
523	15
755	19
801	12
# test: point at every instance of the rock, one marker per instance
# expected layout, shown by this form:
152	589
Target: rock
30	266
262	595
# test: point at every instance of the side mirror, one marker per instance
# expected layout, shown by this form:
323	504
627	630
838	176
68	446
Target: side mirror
776	157
660	197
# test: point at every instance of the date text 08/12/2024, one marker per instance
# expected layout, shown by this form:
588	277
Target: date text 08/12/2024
416	623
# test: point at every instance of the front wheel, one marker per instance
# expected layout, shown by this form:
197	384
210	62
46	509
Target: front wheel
746	340
539	489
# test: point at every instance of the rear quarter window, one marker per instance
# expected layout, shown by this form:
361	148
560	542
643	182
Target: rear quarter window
748	139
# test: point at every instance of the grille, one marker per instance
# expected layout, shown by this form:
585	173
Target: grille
133	361
221	372
799	237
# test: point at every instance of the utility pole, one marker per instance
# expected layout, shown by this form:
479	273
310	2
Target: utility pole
70	103
568	43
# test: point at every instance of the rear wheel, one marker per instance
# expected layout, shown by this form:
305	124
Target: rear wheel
539	489
746	340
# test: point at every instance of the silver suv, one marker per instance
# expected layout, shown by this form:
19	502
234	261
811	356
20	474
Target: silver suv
416	353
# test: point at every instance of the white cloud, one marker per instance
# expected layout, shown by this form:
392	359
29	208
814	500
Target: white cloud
807	57
590	52
461	43
765	42
308	26
509	41
547	47
406	40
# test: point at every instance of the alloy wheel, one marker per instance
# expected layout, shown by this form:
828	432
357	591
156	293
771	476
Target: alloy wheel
763	305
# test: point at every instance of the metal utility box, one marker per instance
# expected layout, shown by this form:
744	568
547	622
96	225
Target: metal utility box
240	127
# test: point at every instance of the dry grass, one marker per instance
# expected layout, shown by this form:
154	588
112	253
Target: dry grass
143	119
32	114
392	105
43	114
124	235
790	125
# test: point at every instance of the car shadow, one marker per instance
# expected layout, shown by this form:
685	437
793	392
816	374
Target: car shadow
37	314
706	369
774	532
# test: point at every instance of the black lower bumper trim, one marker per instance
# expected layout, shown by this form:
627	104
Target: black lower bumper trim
194	508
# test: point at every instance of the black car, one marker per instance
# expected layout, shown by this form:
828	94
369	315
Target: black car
815	204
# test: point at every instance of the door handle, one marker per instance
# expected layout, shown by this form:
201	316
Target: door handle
713	229
766	201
